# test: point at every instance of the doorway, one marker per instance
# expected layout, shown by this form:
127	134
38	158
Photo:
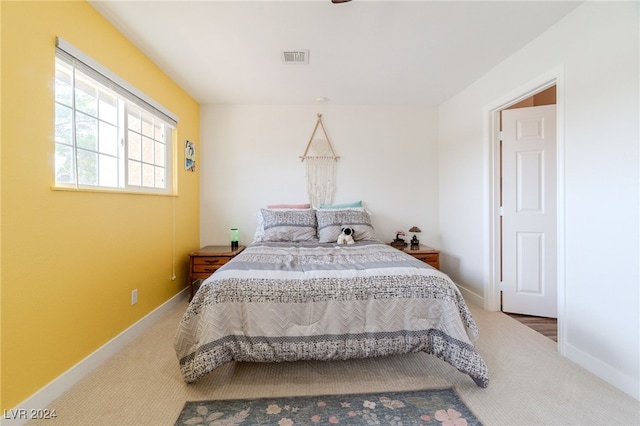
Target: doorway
527	146
525	171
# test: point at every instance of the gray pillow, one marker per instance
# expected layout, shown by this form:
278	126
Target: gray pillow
330	223
289	225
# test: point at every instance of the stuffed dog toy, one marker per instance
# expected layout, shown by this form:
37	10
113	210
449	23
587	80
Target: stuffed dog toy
346	237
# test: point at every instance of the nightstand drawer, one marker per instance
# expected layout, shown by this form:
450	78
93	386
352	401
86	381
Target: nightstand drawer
209	261
200	275
427	258
197	269
425	254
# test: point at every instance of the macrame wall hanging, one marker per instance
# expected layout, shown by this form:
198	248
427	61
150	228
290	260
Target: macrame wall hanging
321	167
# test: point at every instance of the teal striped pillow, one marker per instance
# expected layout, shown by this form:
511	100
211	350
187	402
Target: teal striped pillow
341	206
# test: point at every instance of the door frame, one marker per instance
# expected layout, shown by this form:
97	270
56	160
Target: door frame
491	127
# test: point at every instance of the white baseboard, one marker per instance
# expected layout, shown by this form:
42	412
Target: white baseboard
471	297
613	376
37	402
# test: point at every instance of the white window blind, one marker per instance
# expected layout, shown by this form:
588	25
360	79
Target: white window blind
108	135
89	66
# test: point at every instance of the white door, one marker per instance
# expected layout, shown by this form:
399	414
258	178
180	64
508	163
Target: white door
529	211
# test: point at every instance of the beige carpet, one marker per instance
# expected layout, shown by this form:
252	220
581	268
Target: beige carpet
531	384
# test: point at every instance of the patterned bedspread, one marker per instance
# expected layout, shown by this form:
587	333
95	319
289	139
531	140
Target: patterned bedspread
302	301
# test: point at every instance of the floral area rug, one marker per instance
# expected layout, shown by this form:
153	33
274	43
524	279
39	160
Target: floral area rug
421	407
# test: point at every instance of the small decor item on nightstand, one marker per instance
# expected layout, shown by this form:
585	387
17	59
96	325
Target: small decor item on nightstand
234	239
399	242
415	243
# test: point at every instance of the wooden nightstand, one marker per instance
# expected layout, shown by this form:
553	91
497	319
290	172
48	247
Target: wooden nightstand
206	261
426	254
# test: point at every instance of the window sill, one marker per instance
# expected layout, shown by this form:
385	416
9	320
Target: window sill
110	191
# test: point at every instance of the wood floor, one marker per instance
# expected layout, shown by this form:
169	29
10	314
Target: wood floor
545	326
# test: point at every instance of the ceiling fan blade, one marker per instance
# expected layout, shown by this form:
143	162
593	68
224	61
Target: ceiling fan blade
339	1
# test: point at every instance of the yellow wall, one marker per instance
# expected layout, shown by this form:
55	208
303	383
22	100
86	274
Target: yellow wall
71	259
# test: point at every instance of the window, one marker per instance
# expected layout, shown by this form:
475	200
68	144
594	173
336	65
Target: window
107	134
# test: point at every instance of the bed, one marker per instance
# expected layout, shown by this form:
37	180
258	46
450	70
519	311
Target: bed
312	299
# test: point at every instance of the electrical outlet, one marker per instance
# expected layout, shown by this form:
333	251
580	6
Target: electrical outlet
134	296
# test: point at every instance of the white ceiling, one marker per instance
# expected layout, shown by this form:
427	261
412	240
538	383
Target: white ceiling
365	52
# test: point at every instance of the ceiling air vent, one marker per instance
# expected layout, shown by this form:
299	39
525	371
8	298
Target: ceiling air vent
295	56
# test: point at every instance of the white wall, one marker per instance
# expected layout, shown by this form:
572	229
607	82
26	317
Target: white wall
250	157
597	48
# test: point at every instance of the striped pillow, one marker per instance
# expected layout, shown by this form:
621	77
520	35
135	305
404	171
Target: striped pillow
355	204
288	225
289	206
330	223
